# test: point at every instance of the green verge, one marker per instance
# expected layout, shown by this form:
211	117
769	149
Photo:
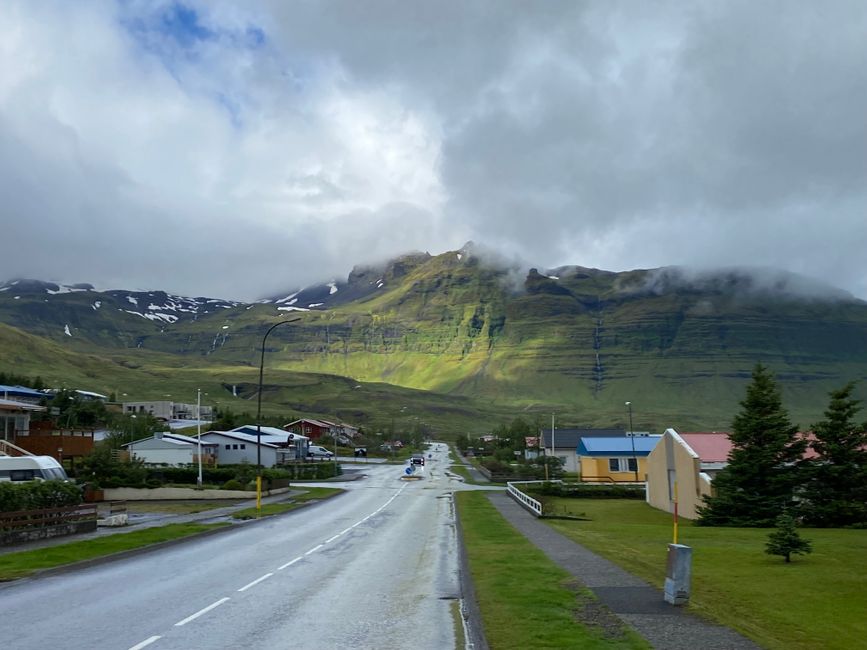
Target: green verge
24	563
817	601
270	509
527	601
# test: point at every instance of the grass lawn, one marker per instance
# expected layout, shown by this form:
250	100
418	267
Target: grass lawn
177	507
268	509
23	563
525	599
817	601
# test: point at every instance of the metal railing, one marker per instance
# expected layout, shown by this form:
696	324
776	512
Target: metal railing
531	504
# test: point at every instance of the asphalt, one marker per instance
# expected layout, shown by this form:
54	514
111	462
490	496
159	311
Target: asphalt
637	603
475	474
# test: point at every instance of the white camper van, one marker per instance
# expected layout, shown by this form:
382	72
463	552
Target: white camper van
31	468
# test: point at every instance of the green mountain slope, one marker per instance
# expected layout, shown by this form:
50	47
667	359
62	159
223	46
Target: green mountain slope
577	341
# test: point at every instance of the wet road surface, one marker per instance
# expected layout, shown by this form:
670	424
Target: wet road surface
373	568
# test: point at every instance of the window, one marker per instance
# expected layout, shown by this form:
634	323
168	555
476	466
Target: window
228	446
622	465
234	446
243	446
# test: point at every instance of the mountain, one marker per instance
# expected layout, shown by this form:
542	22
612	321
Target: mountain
579	341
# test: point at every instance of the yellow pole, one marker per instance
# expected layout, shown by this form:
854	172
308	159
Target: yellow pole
259	496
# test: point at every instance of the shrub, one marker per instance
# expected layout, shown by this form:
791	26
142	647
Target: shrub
34	495
233	484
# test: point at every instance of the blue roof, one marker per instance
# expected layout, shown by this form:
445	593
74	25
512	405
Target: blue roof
21	391
619	446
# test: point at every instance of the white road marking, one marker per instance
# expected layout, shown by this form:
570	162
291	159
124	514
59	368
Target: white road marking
202	611
144	643
314	549
331	539
346	530
256	582
289	563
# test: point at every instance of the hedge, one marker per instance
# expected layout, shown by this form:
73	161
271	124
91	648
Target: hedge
35	495
588	491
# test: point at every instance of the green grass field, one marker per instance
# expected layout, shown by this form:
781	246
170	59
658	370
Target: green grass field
525	599
817	601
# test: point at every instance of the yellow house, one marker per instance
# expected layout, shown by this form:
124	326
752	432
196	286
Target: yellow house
615	460
681	468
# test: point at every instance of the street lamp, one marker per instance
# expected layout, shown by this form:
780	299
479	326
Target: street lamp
259	405
199	434
632	435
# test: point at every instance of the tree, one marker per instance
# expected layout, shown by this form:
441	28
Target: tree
761	475
836	495
785	540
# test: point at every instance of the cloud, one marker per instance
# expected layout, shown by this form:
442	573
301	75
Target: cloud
236	150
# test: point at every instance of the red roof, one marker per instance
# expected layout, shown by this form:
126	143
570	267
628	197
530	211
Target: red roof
711	447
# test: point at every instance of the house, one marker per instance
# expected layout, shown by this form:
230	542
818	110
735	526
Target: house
165	410
316	428
293	446
234	448
172	449
682	467
621	459
15	418
564	443
21	394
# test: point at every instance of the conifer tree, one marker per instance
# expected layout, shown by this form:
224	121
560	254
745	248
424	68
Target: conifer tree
761	475
785	540
837	492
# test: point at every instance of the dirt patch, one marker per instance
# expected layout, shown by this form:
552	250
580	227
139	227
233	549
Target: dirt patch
593	614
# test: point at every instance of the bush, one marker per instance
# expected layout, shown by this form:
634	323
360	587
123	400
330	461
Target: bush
35	495
233	484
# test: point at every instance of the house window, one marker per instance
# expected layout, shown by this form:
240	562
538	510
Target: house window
234	446
228	446
622	465
243	446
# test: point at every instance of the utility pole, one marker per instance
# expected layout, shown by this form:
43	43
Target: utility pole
199	433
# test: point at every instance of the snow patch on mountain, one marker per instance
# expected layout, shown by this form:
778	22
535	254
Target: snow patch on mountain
66	330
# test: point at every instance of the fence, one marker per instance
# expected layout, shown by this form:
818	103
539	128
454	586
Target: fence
531	504
26	525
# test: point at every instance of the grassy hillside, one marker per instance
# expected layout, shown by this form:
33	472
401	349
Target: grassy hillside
577	341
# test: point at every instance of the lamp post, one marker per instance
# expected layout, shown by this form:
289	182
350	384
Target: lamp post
259	404
199	434
632	435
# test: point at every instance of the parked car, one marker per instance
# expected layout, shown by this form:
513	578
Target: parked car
315	451
417	459
31	468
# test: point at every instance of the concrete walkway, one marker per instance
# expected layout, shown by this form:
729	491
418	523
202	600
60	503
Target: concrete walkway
637	603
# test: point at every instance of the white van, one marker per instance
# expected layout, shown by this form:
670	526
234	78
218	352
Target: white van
315	451
31	468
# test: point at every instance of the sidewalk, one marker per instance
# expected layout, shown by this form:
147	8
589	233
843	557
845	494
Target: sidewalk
475	474
637	603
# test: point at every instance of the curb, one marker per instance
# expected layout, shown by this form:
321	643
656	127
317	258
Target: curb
470	607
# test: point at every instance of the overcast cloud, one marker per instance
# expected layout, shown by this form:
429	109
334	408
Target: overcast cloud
236	149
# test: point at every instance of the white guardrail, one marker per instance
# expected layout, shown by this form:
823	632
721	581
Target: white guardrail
531	504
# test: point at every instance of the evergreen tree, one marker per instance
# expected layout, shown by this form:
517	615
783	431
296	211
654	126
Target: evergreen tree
785	540
837	493
761	474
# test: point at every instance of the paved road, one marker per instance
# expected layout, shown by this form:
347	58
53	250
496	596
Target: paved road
373	568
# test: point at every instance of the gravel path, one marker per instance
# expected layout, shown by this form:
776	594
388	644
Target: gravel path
634	601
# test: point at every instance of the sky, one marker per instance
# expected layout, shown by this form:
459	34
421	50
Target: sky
239	149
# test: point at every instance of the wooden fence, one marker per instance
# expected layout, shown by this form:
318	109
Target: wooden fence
25	525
